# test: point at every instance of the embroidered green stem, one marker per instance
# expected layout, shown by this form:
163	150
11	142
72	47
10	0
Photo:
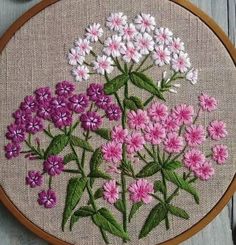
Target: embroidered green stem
142	63
147	68
35	151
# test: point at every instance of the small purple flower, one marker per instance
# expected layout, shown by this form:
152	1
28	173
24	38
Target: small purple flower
78	103
16	133
113	112
29	104
54	165
94	91
43	94
12	150
34	125
90	121
47	198
44	111
59	103
62	118
65	88
21	117
34	179
103	101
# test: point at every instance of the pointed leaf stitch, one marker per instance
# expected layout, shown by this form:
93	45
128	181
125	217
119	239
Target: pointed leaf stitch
134	209
120	205
69	157
173	165
75	189
104	133
179	212
149	170
76	141
115	84
105	220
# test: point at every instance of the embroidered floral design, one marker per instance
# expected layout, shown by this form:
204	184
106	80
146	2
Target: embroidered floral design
149	138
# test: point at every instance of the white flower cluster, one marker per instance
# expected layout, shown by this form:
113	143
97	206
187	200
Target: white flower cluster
130	42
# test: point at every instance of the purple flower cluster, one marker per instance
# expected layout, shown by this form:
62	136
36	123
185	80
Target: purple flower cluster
59	109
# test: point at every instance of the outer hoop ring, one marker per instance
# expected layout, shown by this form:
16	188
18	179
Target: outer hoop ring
196	227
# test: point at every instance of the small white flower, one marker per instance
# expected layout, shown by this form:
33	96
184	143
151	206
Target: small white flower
192	76
161	55
163	35
173	91
145	22
181	62
128	32
94	32
144	43
81	73
83	45
176	46
112	46
75	57
130	52
103	64
116	21
176	85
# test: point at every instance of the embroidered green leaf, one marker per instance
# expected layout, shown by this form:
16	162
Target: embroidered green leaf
181	183
69	157
76	141
104	133
142	81
130	104
99	174
159	186
157	214
127	168
120	205
95	162
85	211
173	165
105	220
98	194
149	170
137	102
115	84
75	189
57	145
179	212
134	209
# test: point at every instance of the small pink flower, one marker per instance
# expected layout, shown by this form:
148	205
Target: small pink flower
75	57
116	21
12	150
193	159
217	130
21	116
29	104
137	119
195	135
173	143
15	133
62	118
176	46
118	134
170	124
94	32
183	114
181	62
65	88
103	101
192	76
83	46
154	133
43	94
145	22
220	153
128	32
81	73
54	165
161	55
140	191
78	103
44	111
113	112
205	171
207	102
34	125
163	35
134	142
112	46
130	53
110	191
144	43
47	198
158	111
90	120
59	103
112	152
103	64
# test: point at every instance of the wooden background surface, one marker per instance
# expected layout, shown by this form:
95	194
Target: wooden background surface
222	231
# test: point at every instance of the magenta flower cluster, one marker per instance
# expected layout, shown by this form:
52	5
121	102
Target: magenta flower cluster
176	132
63	109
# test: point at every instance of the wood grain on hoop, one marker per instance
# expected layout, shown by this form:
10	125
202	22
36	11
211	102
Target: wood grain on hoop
216	209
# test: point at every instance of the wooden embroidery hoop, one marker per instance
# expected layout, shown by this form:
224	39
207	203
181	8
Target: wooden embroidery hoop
215	210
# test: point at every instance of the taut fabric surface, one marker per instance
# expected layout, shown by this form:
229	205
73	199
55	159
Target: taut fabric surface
36	56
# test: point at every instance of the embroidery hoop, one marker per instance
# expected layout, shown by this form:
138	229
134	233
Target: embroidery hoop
204	221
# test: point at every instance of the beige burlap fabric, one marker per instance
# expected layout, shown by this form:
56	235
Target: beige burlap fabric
36	56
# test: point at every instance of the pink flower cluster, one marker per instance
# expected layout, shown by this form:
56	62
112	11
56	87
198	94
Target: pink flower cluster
175	131
129	42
